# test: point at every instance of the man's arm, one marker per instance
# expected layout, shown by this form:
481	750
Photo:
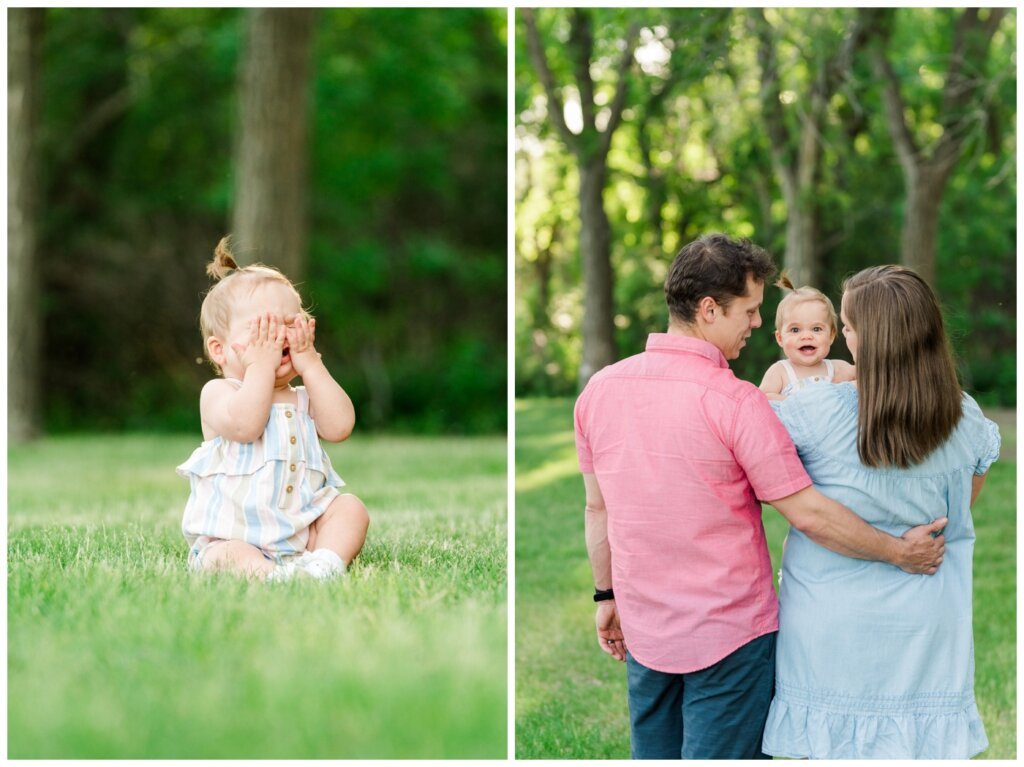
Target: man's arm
599	552
832	525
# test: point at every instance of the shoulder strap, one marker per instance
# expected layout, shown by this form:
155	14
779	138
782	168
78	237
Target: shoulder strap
790	373
829	369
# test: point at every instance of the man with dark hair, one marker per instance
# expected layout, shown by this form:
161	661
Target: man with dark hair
676	453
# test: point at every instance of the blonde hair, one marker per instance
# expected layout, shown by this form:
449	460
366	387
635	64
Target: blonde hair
232	280
910	400
795	296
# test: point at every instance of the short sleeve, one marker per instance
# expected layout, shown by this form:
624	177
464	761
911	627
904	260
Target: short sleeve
763	447
986	439
583	452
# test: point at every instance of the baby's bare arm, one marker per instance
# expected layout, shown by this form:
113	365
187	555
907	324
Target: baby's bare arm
240	414
329	405
844	371
773	381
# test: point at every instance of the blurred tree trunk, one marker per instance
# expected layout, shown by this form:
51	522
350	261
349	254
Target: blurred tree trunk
598	277
796	152
270	222
926	169
590	150
24	319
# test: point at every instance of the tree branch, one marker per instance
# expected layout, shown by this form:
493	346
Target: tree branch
879	22
621	89
107	112
972	38
581	38
556	110
771	104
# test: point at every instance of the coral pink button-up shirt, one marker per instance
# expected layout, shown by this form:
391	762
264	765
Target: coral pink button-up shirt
682	451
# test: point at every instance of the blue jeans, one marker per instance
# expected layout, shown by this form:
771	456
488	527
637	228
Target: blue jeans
718	712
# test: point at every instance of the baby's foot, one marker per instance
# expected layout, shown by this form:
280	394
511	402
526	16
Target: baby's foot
281	573
322	564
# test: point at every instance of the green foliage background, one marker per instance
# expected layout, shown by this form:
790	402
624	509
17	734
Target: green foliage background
407	264
711	170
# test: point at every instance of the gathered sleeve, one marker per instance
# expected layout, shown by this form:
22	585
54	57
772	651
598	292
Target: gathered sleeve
987	441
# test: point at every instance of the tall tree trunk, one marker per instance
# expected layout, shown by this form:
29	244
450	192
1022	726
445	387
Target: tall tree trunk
590	149
918	237
595	252
270	223
800	258
24	320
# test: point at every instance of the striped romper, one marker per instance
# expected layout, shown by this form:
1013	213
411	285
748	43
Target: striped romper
266	493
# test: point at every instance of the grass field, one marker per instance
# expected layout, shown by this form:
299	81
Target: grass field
116	651
571	698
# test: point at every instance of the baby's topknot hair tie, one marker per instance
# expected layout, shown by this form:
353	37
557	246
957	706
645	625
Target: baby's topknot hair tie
223	262
784	282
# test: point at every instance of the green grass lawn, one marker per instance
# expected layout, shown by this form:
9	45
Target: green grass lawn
571	698
116	651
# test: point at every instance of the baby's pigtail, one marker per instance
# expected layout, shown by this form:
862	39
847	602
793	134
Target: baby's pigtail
784	282
223	262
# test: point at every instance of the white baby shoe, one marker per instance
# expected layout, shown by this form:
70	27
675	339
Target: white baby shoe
322	564
282	572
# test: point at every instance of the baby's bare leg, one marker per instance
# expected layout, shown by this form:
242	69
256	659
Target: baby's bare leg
237	557
342	528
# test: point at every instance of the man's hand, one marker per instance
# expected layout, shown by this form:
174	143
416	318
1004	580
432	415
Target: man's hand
609	634
924	547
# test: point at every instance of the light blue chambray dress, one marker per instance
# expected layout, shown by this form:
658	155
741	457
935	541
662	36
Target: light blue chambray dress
873	662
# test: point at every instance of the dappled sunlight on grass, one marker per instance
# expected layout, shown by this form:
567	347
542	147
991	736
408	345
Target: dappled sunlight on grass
553	471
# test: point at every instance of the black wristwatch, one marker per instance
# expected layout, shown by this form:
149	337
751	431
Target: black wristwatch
600	595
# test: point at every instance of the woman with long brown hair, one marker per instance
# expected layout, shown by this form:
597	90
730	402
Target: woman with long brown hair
873	662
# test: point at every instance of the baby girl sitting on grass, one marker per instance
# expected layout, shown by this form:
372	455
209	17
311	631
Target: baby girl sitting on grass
264	498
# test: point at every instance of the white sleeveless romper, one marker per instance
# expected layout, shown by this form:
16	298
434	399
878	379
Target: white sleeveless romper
797	383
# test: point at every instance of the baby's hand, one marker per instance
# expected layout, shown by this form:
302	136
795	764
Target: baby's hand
266	340
301	334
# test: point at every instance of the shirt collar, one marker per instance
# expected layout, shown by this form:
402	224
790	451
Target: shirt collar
670	342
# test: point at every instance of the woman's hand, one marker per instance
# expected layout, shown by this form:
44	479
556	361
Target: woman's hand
266	340
609	634
301	334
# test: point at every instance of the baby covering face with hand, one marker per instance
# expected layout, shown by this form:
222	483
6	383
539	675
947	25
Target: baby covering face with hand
264	499
805	327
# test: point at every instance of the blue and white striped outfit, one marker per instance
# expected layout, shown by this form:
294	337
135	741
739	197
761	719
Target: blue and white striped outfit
266	493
